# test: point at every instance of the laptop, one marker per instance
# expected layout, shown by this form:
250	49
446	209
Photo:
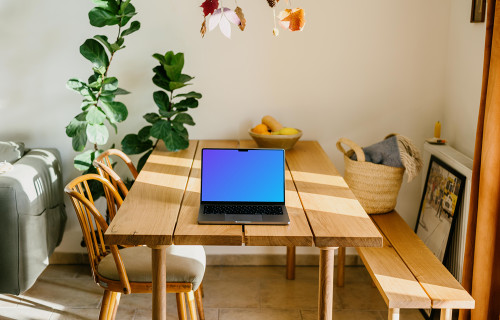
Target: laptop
243	186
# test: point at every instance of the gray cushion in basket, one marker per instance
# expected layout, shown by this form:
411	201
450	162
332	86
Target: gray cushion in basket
11	151
184	264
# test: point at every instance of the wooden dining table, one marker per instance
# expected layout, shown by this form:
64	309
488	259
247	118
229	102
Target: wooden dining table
162	206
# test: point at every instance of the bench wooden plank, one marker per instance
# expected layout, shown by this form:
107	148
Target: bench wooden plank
156	195
297	233
320	186
395	282
443	289
188	231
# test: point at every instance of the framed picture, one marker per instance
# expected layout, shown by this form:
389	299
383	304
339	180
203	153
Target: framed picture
441	199
478	11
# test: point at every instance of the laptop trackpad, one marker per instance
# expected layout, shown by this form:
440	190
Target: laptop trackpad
243	218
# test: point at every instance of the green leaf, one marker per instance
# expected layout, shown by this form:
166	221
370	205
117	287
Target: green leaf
161	129
76	130
142	160
100	17
162	82
189	103
84	160
174	65
181	130
131	144
173	85
75	84
100	70
109	5
97	133
93	51
128	13
145	133
161	99
184	78
123	6
104	41
95	77
79	141
115	111
121	91
184	118
168	114
191	94
95	116
134	26
160	58
175	141
86	104
152	117
110	84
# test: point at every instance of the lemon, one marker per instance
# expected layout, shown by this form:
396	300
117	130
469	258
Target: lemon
288	131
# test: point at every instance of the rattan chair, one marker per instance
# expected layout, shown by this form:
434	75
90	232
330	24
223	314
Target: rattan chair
128	270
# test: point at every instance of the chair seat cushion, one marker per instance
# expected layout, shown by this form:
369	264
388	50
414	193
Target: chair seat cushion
184	264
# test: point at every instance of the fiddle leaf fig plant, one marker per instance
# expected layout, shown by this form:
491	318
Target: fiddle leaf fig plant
168	124
89	128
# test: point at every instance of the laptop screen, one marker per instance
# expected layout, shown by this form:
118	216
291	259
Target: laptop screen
243	175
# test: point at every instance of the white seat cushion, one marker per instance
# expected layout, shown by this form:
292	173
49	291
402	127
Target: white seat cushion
184	264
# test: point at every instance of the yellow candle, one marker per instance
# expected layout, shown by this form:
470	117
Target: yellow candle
437	130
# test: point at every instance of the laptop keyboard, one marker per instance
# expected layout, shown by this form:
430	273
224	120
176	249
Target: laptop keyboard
240	209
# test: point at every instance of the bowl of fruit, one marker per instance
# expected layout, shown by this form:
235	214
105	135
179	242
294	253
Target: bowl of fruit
271	134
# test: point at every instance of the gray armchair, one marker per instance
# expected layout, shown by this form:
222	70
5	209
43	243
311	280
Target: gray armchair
32	215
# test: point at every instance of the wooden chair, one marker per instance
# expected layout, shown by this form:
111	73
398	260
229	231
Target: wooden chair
129	270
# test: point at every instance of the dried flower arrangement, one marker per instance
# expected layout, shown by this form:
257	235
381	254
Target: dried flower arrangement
291	19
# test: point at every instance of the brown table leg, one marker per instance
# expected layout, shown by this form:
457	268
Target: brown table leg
325	296
290	263
159	262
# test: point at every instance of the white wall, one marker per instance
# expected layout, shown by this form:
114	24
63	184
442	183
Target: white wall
360	69
464	70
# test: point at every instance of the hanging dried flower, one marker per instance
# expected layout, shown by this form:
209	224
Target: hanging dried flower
271	3
292	19
203	29
222	17
209	6
240	15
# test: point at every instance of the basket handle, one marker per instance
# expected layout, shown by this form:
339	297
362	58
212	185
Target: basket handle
360	154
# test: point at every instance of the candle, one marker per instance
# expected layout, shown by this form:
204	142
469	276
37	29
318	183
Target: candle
437	130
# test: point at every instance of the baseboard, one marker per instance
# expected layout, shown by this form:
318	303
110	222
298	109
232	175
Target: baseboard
223	259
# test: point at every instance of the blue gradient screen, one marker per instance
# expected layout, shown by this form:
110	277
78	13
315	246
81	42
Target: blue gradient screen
243	175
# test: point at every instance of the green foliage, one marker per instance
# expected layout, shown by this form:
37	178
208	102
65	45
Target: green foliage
99	108
169	123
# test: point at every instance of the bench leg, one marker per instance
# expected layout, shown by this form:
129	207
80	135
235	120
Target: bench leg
325	295
340	267
446	314
290	263
393	314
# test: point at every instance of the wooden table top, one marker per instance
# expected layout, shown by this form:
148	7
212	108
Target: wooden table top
162	205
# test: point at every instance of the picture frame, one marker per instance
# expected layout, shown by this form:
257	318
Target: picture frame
441	200
478	11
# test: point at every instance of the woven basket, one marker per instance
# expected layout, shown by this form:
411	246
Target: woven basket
376	186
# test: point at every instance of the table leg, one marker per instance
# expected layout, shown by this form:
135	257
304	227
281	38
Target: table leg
159	262
325	296
290	263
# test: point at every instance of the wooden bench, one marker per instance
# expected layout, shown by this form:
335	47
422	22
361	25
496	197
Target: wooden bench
407	273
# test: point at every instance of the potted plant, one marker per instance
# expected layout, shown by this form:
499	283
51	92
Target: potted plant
168	124
88	129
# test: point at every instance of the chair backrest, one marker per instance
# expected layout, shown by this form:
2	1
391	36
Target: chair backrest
104	166
93	223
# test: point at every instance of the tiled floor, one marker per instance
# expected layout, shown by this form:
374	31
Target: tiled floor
231	293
